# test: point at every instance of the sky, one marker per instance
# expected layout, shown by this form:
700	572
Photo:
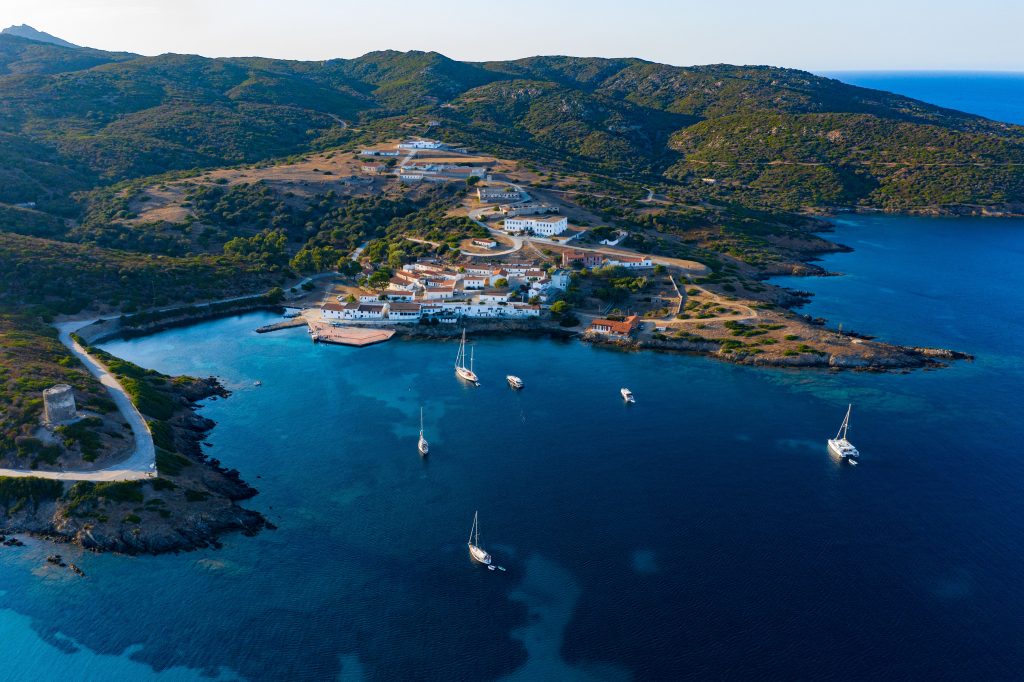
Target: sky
817	35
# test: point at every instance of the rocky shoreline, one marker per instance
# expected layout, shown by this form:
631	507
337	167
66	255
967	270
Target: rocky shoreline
191	505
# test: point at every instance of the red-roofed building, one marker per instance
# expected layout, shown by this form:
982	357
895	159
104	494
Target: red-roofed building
590	259
615	329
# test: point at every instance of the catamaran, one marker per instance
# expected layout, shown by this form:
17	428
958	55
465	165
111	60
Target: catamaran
627	395
476	552
422	445
461	370
514	381
839	445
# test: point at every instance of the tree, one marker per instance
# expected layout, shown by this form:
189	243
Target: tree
472	180
380	279
500	283
275	295
560	308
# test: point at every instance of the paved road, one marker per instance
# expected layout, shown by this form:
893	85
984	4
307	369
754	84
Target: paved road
142	462
517	242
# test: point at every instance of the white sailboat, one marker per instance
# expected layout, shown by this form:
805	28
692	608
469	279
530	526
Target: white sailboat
422	445
840	445
476	552
627	395
461	370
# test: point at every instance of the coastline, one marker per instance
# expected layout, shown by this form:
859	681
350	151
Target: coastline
190	505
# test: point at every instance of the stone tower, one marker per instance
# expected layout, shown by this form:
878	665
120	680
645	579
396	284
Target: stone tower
59	404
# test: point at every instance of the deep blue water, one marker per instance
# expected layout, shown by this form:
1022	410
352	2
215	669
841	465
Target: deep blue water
702	533
995	95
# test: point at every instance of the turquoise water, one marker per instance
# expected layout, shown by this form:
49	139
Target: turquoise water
702	533
995	95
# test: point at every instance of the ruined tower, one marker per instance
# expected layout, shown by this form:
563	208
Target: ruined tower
59	404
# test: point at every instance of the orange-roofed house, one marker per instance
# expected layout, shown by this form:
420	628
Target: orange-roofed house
615	329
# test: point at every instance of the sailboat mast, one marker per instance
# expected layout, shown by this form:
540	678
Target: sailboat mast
846	424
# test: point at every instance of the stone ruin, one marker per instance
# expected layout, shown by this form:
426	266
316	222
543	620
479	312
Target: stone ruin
59	404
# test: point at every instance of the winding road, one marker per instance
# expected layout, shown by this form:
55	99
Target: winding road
141	464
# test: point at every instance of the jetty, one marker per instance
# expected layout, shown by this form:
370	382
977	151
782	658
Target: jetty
348	336
285	324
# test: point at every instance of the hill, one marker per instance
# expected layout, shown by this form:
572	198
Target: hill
76	117
26	31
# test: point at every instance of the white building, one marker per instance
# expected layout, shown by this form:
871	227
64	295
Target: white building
560	279
352	311
513	210
438	293
411	177
630	261
619	236
420	144
475	281
493	296
490	195
547	226
404	312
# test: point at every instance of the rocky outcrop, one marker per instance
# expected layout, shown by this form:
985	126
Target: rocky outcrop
192	503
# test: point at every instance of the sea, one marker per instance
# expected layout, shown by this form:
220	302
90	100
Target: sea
703	532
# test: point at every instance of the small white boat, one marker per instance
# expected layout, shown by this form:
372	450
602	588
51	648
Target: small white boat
422	445
627	395
461	370
840	445
257	383
476	552
514	381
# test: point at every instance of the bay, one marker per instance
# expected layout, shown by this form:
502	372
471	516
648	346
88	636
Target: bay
702	532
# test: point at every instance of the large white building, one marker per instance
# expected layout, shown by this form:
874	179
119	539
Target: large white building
490	195
546	226
420	144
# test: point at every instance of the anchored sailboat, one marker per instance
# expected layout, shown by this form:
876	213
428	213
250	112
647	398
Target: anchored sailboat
840	445
422	445
476	552
461	370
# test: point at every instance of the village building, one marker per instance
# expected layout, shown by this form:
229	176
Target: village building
474	281
615	329
493	296
485	243
420	144
589	259
374	169
560	279
490	195
513	210
438	293
546	226
404	312
619	236
630	261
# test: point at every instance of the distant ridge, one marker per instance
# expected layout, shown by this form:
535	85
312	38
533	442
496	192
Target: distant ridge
26	31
